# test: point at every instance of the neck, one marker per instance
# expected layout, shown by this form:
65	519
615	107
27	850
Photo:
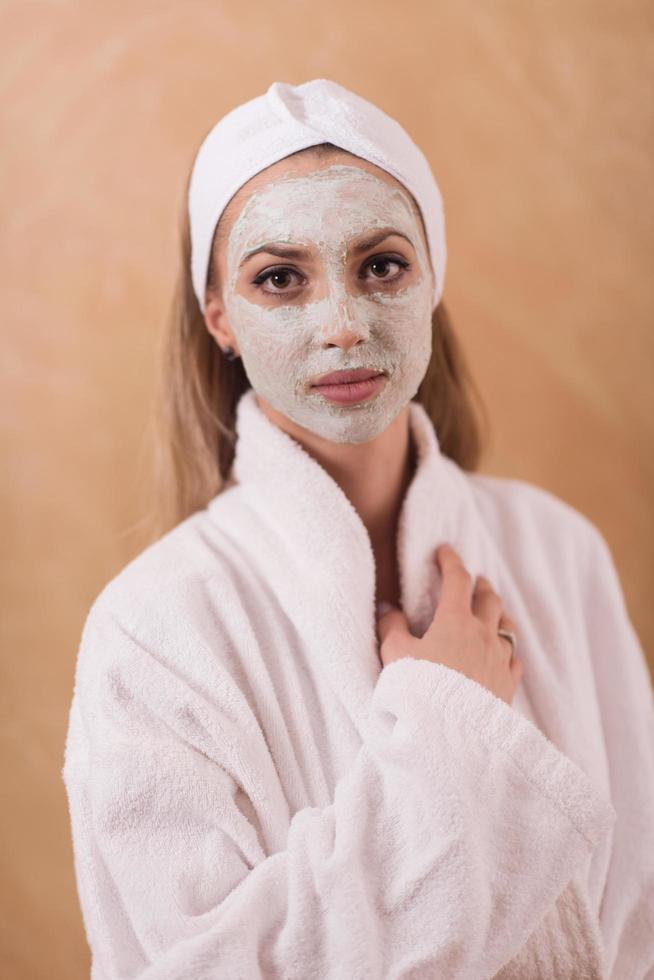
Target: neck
374	475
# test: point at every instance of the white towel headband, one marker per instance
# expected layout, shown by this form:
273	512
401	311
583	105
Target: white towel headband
287	118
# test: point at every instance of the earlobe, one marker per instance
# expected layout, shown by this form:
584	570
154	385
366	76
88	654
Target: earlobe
215	319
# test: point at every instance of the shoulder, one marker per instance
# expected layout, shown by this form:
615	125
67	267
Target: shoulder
177	582
163	627
534	523
160	569
509	500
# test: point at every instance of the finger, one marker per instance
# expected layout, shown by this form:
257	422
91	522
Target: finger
456	590
506	623
516	668
486	603
507	646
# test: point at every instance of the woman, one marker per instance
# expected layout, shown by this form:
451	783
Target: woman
264	780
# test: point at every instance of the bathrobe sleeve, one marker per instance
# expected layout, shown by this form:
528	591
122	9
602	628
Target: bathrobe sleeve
624	692
450	837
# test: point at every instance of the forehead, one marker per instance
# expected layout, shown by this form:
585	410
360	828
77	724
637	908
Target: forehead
339	179
334	204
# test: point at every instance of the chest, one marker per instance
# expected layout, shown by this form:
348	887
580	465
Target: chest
387	578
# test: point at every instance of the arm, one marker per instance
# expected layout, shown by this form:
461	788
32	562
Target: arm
624	692
455	830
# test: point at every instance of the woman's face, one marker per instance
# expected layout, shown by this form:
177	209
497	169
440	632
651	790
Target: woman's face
324	267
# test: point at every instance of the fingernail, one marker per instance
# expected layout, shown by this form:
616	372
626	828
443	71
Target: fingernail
383	607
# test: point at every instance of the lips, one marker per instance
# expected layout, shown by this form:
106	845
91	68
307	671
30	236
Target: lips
344	377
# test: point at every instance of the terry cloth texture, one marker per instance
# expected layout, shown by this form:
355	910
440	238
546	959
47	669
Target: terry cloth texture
252	795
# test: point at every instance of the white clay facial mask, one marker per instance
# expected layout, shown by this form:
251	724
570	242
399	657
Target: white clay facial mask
286	332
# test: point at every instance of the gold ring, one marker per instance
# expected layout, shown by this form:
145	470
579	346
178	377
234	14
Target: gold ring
511	637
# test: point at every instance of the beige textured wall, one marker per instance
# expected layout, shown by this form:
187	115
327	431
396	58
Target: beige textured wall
538	122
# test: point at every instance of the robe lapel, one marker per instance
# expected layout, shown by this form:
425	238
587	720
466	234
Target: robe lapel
320	562
316	551
438	507
329	551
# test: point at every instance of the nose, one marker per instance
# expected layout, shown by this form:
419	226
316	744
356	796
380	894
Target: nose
344	329
345	339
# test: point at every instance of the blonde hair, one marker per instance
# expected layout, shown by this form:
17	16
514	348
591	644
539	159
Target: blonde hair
199	390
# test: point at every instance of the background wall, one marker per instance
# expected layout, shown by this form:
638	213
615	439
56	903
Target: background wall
538	122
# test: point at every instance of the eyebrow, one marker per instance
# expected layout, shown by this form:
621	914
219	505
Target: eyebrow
299	252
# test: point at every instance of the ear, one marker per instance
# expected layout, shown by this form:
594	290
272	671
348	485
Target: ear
217	323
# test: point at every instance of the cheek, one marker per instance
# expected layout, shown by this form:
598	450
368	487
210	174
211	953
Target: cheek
398	322
401	320
271	331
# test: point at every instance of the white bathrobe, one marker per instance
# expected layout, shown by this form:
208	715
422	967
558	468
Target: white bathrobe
253	795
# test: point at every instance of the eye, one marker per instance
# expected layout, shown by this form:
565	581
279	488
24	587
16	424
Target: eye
279	275
382	262
279	272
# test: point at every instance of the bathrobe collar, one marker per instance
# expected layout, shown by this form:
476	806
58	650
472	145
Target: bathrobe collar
318	523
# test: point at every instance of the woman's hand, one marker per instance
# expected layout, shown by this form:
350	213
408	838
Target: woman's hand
463	633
